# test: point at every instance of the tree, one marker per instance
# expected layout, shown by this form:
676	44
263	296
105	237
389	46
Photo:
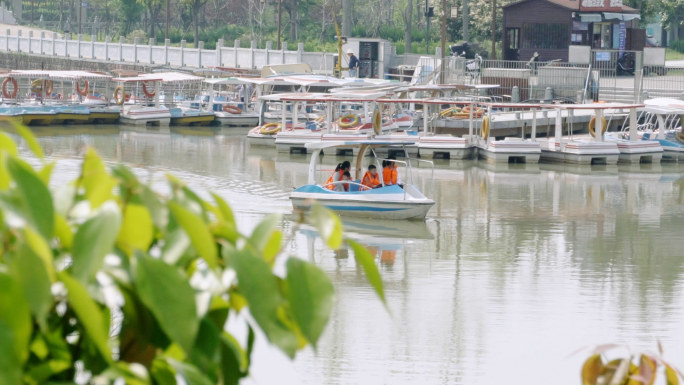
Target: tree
195	7
153	9
107	280
408	23
129	11
672	12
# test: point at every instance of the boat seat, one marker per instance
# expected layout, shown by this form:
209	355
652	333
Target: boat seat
354	187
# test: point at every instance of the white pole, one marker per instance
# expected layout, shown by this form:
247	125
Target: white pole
534	125
599	125
633	124
283	117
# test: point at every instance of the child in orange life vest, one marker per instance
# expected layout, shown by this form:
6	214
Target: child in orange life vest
337	174
390	175
371	179
343	186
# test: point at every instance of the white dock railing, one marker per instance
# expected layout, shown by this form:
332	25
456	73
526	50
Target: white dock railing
49	44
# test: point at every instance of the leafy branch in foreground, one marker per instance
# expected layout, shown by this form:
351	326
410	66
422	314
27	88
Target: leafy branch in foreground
104	279
638	369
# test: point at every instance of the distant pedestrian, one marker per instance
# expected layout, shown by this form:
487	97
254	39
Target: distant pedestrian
241	93
353	64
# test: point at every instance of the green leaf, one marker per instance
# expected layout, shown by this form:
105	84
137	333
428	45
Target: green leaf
261	289
163	373
5	179
42	251
176	246
328	225
42	372
94	239
35	281
224	209
15	330
46	172
168	295
97	182
190	373
233	360
197	229
157	210
137	230
272	247
63	232
364	258
311	297
262	233
89	314
29	138
7	145
36	200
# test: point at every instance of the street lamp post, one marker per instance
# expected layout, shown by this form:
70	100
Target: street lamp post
80	9
428	14
166	33
280	16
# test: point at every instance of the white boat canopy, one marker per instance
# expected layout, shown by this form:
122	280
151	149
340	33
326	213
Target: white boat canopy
59	75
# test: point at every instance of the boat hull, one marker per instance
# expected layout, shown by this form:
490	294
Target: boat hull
389	202
103	117
31	119
201	120
378	210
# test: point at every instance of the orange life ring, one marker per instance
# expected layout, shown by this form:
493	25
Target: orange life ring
84	91
450	112
592	125
232	109
477	111
119	95
270	128
15	88
146	92
348	121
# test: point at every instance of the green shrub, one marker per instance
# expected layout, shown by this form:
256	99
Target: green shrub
106	275
677	45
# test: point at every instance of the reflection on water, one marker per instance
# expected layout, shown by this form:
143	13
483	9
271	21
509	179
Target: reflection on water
516	267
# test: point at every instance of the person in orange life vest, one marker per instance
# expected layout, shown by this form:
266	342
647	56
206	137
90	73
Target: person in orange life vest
343	186
390	175
371	179
337	174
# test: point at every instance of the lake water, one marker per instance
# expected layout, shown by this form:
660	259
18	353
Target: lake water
514	270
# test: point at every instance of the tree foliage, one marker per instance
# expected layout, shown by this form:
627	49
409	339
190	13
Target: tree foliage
104	279
308	21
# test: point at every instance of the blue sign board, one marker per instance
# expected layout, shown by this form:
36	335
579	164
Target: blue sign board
623	37
602	56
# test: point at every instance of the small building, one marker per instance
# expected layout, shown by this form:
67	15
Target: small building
549	27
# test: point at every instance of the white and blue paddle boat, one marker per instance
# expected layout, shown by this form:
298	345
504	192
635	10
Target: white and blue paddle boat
668	116
403	201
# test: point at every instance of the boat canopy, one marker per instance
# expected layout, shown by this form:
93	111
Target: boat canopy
225	81
664	106
172	77
59	75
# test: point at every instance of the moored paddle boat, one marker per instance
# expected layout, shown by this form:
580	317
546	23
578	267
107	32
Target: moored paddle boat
386	202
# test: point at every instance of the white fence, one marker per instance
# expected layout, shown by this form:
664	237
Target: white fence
149	53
